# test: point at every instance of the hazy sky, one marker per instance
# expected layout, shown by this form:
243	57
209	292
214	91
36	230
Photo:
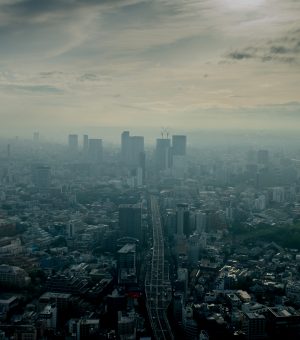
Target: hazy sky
177	63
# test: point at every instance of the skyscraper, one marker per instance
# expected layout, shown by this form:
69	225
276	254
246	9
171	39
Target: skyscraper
85	144
95	151
127	263
130	220
73	143
125	146
178	159
136	148
142	166
182	219
200	221
179	145
131	149
163	153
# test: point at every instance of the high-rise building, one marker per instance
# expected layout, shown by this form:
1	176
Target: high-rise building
163	153
126	326
177	307
127	263
254	326
178	156
200	221
193	248
142	165
84	328
95	150
182	219
48	317
13	276
125	137
130	220
73	143
136	149
179	166
85	144
189	324
179	145
132	147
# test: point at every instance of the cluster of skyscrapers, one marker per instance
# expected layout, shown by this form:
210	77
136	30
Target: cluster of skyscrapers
92	148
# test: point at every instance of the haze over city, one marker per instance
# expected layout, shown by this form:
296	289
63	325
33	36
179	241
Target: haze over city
149	169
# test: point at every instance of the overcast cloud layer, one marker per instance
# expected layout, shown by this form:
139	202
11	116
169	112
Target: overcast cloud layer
176	63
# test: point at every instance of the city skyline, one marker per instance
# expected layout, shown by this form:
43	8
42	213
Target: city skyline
194	64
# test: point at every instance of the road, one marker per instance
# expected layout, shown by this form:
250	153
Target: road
157	283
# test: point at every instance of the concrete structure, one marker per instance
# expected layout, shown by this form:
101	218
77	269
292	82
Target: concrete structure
179	145
163	154
127	264
73	143
132	147
48	316
157	284
130	220
182	219
95	150
254	326
85	144
13	276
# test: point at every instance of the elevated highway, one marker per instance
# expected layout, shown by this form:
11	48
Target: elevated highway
157	283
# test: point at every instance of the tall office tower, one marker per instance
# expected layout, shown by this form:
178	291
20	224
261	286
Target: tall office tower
170	222
41	176
36	137
177	307
125	137
131	149
193	248
200	221
182	219
95	151
127	263
73	143
130	220
85	144
142	166
163	153
179	145
136	148
178	159
179	166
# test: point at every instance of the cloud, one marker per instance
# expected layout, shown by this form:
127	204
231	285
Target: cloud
239	55
35	29
279	50
33	89
113	59
284	49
